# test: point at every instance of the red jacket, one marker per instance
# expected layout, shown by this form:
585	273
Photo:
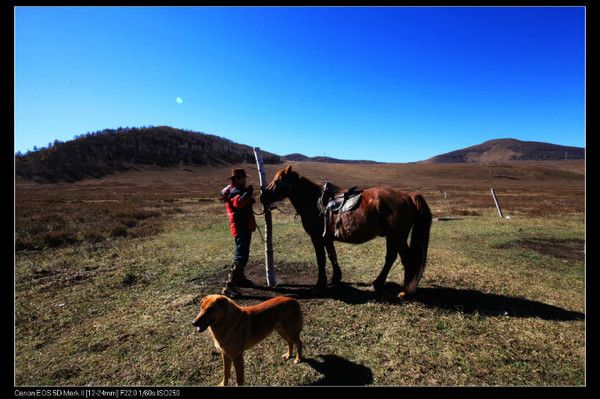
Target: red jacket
238	203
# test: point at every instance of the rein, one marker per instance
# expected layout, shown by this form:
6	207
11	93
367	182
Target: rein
274	206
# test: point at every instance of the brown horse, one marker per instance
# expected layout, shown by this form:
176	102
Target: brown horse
383	211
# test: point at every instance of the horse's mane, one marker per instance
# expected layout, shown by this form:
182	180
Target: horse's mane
307	182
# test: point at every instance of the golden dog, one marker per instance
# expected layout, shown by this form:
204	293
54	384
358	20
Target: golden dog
236	328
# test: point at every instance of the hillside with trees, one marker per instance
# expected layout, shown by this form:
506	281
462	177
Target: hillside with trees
97	154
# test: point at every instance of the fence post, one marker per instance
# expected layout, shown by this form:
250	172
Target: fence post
497	203
270	271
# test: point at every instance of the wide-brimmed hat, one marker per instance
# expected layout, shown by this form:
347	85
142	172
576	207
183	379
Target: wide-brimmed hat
238	173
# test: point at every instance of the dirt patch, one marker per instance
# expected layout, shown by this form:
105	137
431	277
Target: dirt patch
297	280
563	249
298	274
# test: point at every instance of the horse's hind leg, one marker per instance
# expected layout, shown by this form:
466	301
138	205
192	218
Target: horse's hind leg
337	272
390	257
407	262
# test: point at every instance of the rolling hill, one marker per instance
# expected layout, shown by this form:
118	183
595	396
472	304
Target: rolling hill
97	154
303	158
503	150
102	153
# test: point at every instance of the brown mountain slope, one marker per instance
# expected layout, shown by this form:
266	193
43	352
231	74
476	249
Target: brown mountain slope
503	150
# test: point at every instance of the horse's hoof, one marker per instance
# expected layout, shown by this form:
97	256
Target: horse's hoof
403	295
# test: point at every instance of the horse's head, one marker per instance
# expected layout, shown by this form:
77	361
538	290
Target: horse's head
280	187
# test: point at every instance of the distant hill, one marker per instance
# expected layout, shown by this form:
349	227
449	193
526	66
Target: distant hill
502	150
303	158
100	153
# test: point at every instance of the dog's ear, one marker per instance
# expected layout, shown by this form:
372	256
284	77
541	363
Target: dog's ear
202	301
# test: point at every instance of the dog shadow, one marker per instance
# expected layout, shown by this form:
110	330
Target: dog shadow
339	371
450	299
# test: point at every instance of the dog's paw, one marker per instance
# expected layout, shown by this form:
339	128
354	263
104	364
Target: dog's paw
297	360
285	356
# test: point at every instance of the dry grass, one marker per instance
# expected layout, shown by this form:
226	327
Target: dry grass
501	303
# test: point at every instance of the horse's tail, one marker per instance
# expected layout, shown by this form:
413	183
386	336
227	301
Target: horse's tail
419	243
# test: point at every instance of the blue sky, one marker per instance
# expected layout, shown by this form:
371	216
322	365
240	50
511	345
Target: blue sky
394	84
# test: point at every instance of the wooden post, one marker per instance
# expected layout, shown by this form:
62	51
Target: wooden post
497	204
270	271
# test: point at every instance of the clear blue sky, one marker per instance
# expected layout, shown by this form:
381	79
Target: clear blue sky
395	84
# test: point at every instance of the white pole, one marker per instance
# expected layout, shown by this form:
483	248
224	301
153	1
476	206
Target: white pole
270	271
496	202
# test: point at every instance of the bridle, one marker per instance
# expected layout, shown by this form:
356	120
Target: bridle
281	186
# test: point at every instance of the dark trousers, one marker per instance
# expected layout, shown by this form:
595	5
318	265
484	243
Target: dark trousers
242	248
242	253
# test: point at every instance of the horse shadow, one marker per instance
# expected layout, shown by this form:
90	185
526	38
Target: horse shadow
339	371
458	300
473	301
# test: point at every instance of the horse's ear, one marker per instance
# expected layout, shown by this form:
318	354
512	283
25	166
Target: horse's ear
288	169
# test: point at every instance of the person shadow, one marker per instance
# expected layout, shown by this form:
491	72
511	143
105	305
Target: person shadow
458	300
336	370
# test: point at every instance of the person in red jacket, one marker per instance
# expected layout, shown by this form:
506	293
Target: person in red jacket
238	202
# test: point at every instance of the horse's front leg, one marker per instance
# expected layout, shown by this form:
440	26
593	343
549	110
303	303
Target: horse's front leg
319	245
337	272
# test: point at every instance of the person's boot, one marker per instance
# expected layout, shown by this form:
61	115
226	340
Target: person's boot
244	282
239	278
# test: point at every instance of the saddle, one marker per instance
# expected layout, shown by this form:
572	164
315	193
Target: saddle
334	201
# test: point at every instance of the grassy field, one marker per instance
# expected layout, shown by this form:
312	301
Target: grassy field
109	273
